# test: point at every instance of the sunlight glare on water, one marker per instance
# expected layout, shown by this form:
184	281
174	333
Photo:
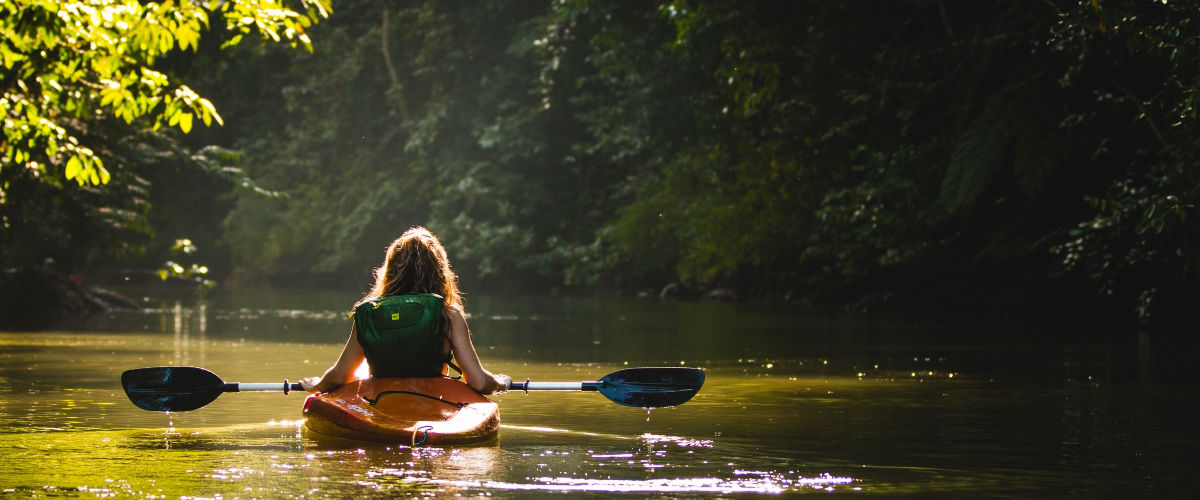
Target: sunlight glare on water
791	404
683	485
598	472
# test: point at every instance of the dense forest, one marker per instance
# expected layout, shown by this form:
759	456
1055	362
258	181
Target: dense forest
993	159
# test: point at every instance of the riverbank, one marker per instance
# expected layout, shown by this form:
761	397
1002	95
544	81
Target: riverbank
31	297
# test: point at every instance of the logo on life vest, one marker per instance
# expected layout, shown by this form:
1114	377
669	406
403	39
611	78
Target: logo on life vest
395	316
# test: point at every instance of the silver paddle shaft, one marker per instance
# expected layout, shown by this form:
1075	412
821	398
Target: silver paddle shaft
553	386
269	386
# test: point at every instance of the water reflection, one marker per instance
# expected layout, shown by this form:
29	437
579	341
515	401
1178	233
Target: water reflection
673	464
182	320
792	404
431	465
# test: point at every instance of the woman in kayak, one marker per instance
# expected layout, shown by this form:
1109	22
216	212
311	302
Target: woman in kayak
411	323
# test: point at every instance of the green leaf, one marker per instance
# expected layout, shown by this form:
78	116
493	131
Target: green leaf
210	110
73	167
99	166
232	41
185	122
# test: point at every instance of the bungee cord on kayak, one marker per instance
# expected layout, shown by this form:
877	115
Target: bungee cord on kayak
457	404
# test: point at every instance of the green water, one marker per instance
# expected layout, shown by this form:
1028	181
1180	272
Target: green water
794	403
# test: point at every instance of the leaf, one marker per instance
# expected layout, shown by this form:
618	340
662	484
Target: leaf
185	122
104	175
209	111
978	155
232	41
73	167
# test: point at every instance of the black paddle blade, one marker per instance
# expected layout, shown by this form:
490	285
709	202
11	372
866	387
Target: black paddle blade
171	388
651	387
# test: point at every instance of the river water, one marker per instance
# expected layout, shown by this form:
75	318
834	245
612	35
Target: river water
794	403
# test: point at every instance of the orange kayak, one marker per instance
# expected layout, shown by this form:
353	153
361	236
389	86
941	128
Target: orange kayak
413	411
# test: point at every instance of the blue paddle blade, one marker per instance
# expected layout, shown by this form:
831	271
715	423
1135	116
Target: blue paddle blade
651	387
172	388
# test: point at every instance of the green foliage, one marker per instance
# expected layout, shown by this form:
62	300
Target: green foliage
88	99
391	122
69	62
824	151
1135	67
193	272
1015	132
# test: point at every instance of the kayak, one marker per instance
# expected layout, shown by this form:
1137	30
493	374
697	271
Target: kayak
415	411
419	411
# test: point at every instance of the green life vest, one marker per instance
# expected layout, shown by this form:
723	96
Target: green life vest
401	335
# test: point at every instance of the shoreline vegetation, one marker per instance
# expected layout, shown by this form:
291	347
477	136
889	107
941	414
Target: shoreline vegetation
41	297
1020	161
36	297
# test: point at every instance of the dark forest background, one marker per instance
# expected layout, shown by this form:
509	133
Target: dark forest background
1000	159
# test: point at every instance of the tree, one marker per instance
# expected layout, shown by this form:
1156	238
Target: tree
1135	89
68	62
83	102
400	117
995	157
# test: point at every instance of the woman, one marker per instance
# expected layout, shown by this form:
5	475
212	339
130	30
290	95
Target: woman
416	290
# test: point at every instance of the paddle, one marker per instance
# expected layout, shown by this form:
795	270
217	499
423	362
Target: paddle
186	388
640	387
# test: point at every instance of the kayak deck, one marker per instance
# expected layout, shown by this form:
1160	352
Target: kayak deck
415	411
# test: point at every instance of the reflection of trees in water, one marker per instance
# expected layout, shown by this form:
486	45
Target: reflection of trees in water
181	327
1116	408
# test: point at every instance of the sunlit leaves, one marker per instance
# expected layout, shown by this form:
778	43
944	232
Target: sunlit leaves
26	129
78	61
193	272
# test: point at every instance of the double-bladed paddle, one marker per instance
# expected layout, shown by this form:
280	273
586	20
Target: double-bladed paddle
185	388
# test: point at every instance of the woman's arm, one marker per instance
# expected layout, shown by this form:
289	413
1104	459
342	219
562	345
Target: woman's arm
342	371
474	374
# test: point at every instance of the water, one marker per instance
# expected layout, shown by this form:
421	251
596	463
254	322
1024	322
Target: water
794	403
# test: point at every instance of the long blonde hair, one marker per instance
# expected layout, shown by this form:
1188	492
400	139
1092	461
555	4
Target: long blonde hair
416	262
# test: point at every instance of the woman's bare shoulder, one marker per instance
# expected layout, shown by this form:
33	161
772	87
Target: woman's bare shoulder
456	314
